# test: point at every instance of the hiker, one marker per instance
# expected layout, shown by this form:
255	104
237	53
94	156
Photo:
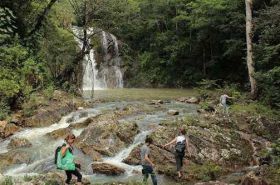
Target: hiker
223	101
181	143
147	164
67	154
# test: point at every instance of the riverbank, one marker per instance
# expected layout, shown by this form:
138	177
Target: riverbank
224	150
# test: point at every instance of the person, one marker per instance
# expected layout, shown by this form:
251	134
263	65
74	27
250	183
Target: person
223	101
181	144
147	164
67	154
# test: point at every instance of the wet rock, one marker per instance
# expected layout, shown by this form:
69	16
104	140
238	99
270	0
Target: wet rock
182	99
14	157
19	142
192	100
106	137
107	169
47	115
252	179
156	102
7	130
60	133
126	131
83	114
173	112
96	156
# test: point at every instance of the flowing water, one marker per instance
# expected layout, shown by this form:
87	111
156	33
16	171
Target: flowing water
41	161
108	74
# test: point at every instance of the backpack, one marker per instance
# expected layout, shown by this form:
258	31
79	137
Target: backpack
180	147
66	162
56	154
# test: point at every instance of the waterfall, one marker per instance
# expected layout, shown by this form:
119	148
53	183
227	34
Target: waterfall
106	75
111	70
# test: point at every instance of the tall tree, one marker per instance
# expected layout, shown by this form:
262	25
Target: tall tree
249	35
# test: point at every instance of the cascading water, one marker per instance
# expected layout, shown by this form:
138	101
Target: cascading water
108	74
110	70
91	81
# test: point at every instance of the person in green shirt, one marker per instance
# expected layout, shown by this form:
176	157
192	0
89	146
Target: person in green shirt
67	154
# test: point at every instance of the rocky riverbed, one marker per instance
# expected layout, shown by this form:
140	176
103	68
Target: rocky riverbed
224	150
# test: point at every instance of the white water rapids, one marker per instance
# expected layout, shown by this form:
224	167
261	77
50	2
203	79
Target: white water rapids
42	150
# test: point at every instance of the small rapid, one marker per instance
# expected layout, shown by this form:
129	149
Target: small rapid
41	153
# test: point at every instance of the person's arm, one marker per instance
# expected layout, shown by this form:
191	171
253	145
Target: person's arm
149	160
229	97
171	142
64	149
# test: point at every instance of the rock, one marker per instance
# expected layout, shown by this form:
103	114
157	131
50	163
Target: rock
3	124
60	133
252	179
14	157
156	102
19	142
173	112
211	183
80	108
8	130
46	116
182	99
192	100
107	169
106	137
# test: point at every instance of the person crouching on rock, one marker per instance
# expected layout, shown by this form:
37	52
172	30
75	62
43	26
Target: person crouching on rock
147	164
67	155
181	142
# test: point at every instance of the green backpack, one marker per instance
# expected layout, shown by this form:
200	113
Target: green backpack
66	162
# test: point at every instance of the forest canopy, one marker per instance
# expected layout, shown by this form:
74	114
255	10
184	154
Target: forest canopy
165	43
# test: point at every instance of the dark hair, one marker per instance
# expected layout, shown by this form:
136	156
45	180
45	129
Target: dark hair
148	140
183	131
69	136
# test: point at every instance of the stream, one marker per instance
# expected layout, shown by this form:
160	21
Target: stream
41	161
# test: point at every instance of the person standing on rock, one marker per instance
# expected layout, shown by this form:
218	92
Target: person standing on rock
181	143
67	155
223	101
147	164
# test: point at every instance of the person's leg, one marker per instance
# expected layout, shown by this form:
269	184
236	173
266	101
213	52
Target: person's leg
145	174
178	164
78	175
69	176
227	107
154	178
181	157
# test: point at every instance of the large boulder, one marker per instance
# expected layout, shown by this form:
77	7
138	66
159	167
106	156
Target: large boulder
13	157
252	179
46	116
60	133
19	142
106	137
192	100
107	169
7	130
173	112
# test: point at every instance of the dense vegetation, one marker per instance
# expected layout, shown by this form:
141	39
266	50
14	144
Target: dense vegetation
166	43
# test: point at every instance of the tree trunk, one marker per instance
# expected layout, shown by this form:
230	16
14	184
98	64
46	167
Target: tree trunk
249	35
42	17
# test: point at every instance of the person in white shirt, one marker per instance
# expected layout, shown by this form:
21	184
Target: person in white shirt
181	144
223	101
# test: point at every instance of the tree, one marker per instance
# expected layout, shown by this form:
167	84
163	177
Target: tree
249	35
